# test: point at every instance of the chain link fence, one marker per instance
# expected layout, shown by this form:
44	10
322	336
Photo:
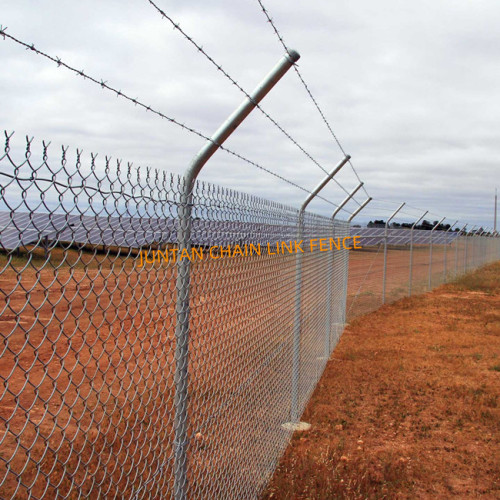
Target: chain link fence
133	370
100	396
414	264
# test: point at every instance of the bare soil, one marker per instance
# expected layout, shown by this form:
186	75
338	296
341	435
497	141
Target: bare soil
408	406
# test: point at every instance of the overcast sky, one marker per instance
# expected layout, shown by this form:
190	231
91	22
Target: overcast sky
411	89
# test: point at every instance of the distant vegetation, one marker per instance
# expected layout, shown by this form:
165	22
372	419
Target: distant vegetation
425	225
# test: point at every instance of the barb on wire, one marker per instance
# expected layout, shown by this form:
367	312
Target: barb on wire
308	90
104	85
200	49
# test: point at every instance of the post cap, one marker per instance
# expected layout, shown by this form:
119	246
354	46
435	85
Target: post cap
293	55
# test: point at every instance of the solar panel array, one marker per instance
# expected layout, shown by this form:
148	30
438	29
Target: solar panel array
18	229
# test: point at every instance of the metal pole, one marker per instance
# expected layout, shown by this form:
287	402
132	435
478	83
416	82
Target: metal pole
294	416
348	197
485	246
445	245
183	265
495	216
491	242
457	239
492	247
473	249
411	251
479	248
430	252
356	212
331	268
479	258
346	264
466	248
464	231
385	250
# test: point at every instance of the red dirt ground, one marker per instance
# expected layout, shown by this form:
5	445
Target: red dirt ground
408	406
98	345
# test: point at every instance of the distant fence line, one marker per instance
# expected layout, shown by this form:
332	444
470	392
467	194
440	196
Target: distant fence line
413	265
100	399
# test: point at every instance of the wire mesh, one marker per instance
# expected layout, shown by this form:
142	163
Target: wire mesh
91	401
412	267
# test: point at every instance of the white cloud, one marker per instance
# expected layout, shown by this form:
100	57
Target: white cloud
411	89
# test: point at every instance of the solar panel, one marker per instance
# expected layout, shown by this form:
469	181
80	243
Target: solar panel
19	229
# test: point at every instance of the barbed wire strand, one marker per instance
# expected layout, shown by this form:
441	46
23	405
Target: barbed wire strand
394	204
308	90
429	215
200	49
104	85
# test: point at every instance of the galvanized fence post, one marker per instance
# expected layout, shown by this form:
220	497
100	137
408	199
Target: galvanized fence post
486	245
466	264
329	287
445	245
430	252
346	265
294	407
384	277
356	212
331	267
463	233
183	266
411	251
486	250
491	246
479	260
476	255
473	250
457	240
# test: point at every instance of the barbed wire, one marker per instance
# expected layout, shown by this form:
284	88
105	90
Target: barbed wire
394	204
386	212
200	49
308	90
390	210
104	85
430	216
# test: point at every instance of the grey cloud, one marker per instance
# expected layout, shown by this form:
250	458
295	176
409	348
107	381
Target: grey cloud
410	89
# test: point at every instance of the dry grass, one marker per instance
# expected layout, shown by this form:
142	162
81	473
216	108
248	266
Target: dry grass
408	406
